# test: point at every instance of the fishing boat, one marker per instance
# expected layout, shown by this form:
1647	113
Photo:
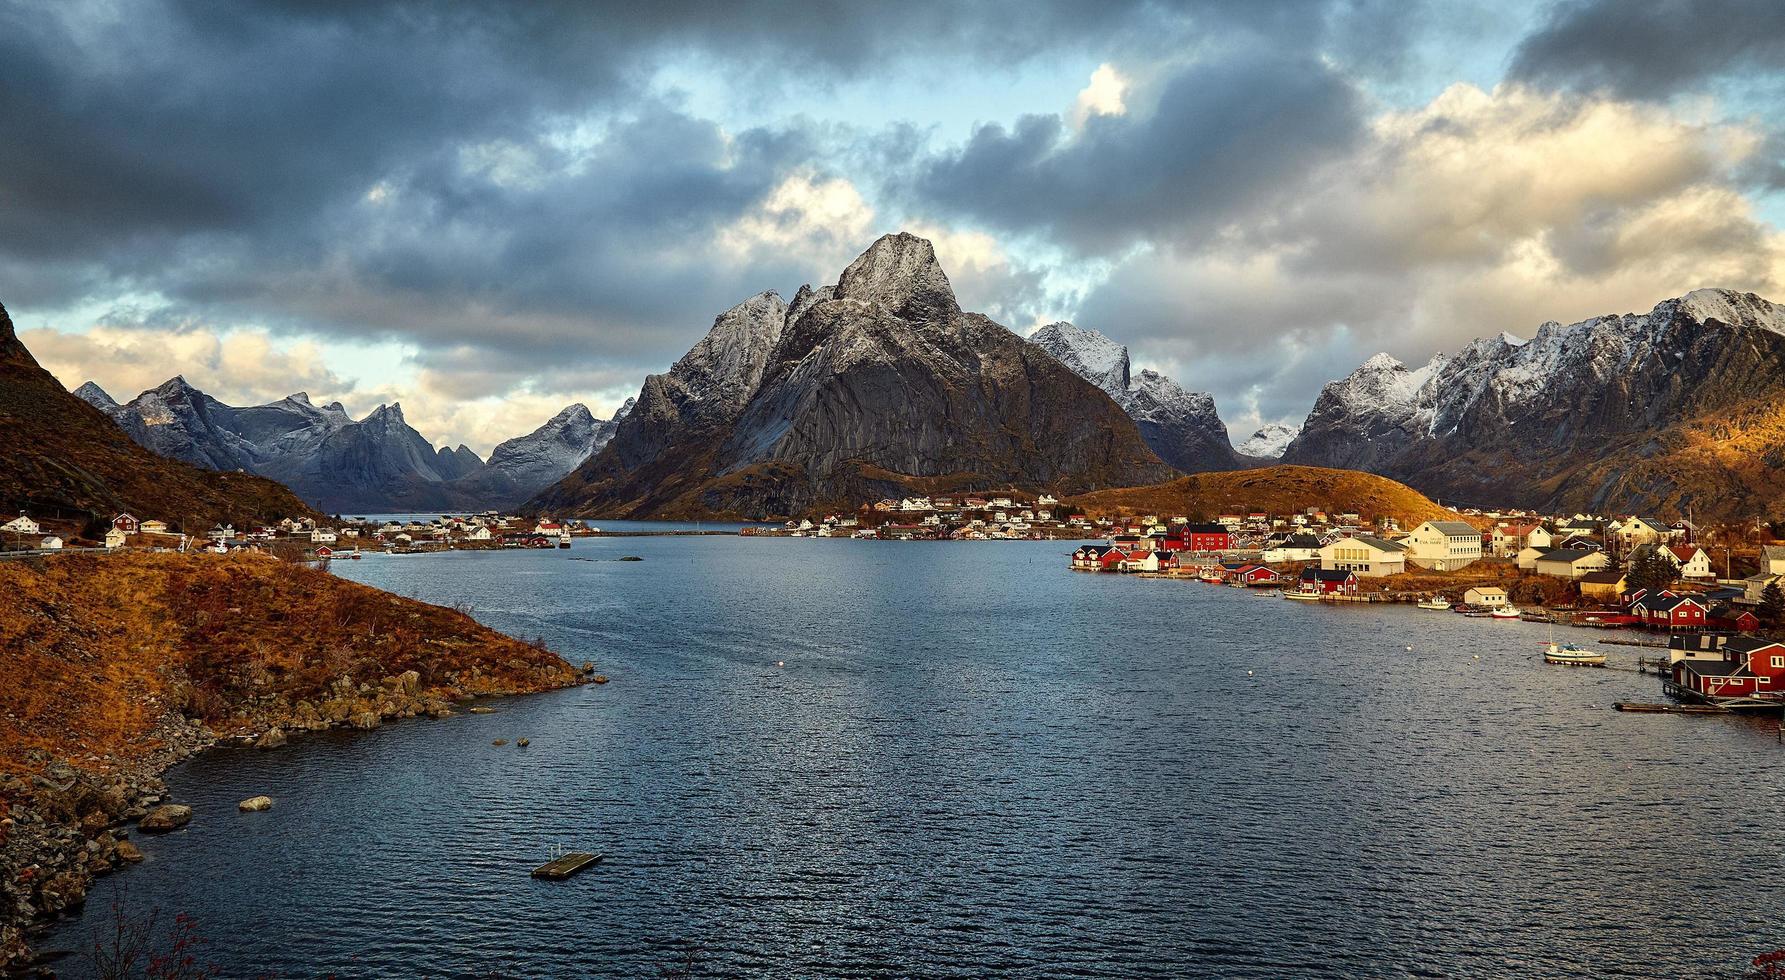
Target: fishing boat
1571	655
1299	594
1438	604
1504	612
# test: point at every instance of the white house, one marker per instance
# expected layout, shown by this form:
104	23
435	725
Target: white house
114	538
1510	539
1485	595
322	535
1692	561
1571	564
51	543
1444	546
1369	557
1527	557
478	533
21	525
154	527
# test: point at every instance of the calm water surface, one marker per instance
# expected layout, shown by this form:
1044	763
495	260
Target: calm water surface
976	762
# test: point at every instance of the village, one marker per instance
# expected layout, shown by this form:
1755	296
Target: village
295	537
1627	572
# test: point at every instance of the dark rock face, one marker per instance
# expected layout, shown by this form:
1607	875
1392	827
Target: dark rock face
1181	426
869	387
1607	414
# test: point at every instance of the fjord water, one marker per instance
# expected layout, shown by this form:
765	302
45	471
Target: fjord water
834	758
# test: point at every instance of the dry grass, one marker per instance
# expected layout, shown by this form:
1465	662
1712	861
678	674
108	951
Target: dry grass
100	647
1273	490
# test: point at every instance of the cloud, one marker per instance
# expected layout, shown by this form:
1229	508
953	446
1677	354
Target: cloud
1476	213
239	367
1653	48
1102	97
1224	134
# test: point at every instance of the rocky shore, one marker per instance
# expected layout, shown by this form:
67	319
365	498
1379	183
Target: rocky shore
121	667
72	823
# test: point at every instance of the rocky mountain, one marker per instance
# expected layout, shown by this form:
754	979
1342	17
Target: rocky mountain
1269	441
1680	407
1181	426
378	463
523	466
61	457
877	385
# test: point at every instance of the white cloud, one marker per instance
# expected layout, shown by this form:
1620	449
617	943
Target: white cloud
1104	96
237	367
823	221
1479	212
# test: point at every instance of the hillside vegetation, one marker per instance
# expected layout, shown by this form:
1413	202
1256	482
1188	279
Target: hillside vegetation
1274	490
63	459
100	647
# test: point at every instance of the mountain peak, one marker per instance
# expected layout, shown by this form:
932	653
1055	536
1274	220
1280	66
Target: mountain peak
1383	361
1731	307
625	409
300	397
96	396
900	274
575	412
1088	353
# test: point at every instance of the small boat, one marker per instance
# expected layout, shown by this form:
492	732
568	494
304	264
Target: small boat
1504	612
1298	594
1437	604
1570	655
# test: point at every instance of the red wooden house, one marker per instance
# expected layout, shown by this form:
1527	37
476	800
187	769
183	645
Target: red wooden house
127	523
1254	576
1329	581
1201	537
1751	669
1672	612
1727	617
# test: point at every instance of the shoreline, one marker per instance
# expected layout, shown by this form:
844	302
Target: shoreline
71	824
132	664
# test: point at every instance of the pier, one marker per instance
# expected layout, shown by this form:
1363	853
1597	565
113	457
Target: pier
560	868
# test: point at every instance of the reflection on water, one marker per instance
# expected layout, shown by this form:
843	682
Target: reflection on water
974	761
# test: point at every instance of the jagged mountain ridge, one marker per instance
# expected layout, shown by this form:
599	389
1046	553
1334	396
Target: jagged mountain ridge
378	463
1181	426
879	384
1661	411
1269	441
60	457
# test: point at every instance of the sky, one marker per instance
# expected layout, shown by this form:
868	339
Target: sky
489	211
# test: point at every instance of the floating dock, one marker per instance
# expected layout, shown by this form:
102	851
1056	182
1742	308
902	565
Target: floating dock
1642	707
560	868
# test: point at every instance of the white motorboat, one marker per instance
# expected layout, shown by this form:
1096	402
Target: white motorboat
1571	655
1504	612
1439	604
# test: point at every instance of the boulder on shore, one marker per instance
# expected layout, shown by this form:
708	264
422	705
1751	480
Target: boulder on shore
365	720
128	851
169	816
274	738
255	804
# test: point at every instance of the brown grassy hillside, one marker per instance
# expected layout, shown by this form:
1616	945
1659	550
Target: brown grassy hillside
99	647
1273	489
63	459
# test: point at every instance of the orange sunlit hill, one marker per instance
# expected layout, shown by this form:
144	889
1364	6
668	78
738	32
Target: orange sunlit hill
1274	490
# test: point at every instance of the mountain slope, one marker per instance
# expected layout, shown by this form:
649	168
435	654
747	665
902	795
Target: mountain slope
1271	489
62	458
1666	411
1181	426
852	391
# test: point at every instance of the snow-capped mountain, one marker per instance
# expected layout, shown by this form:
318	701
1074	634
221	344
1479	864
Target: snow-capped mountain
1584	415
867	388
1181	426
1269	441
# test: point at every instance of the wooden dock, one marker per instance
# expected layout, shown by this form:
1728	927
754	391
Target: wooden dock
560	868
1647	708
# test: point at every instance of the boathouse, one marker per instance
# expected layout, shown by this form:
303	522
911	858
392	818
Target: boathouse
1202	537
1750	668
1664	611
1329	581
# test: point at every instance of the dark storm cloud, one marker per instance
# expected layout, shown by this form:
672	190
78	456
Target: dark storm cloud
1652	48
220	153
1225	131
